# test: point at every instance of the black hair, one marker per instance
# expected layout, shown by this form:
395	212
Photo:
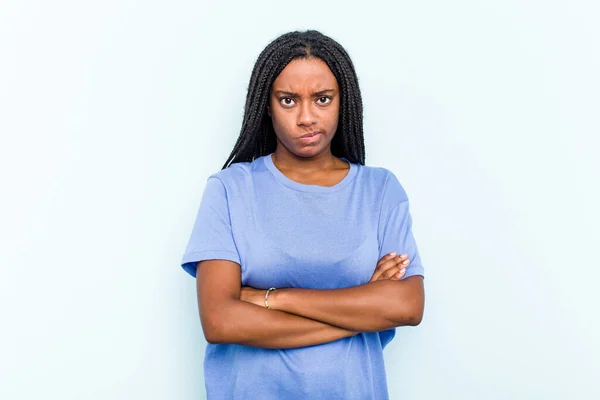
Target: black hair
257	136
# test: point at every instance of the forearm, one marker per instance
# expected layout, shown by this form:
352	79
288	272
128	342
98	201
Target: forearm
371	307
247	324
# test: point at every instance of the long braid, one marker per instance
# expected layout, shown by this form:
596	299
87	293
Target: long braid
257	136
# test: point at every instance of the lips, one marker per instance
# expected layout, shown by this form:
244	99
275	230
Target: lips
311	134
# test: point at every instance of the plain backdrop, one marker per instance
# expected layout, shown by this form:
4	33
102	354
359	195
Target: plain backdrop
113	114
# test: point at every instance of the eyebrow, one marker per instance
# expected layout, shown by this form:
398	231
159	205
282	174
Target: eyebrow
292	94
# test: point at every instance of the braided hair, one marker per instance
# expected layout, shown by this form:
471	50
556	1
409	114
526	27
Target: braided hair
257	136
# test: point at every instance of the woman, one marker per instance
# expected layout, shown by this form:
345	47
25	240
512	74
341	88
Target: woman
301	252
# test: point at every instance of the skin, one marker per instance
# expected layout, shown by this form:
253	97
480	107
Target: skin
305	97
302	317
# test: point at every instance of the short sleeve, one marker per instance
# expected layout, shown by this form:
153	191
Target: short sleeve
395	229
212	236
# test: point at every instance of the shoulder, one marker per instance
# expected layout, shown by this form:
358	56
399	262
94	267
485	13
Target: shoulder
235	172
237	176
385	182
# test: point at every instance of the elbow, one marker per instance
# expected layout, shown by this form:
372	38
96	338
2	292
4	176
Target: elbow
414	313
217	323
213	331
407	314
212	335
414	318
406	318
213	338
409	304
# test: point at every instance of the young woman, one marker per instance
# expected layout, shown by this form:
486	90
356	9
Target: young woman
301	252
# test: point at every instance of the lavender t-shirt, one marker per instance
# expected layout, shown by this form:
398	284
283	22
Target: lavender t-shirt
288	234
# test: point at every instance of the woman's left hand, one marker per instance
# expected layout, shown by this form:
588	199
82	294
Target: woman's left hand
254	296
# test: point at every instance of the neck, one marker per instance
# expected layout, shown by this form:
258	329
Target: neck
286	160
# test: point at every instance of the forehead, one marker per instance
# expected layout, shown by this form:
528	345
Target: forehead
310	74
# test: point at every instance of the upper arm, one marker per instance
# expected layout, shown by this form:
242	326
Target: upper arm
395	231
218	282
211	256
212	235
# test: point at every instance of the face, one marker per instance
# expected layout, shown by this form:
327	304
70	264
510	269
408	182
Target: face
304	99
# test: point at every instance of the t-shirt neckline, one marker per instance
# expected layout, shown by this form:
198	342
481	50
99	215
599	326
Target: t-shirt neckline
279	176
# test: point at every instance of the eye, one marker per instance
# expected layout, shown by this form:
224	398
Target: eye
286	101
326	99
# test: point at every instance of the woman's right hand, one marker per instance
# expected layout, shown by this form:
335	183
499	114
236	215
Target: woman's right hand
390	267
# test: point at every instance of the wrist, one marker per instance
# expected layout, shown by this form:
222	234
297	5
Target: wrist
275	299
267	297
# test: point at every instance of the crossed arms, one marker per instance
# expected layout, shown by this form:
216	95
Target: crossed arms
303	317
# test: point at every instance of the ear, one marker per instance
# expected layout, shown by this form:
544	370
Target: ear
269	109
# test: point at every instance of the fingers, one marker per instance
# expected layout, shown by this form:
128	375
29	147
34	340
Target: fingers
402	267
386	257
386	262
396	272
391	266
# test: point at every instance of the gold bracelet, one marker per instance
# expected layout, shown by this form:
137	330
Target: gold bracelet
267	297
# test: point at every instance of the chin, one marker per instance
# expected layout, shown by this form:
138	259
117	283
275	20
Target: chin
309	151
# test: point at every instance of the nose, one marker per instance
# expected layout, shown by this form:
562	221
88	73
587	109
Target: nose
306	114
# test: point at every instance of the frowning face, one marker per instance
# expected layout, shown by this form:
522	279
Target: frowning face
304	105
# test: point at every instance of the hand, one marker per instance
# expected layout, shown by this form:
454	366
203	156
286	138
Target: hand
390	267
254	296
